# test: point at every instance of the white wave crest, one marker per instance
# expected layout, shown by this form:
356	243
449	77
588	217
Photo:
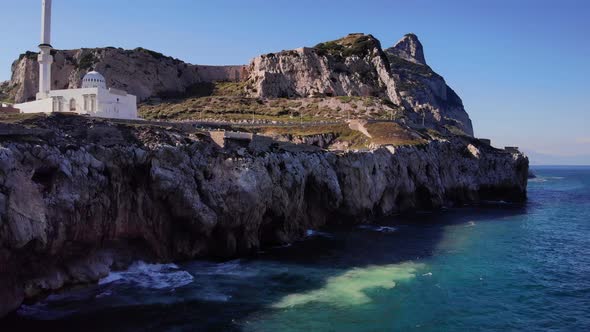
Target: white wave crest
313	233
153	276
377	228
541	179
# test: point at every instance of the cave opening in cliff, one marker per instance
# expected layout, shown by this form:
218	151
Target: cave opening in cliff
45	176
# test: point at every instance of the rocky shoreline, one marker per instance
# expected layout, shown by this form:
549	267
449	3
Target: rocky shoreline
80	196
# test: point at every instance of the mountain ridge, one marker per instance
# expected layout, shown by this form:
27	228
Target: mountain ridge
353	66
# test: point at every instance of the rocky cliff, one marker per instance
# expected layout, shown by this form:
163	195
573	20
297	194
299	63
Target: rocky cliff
80	196
355	65
422	90
141	72
409	48
351	66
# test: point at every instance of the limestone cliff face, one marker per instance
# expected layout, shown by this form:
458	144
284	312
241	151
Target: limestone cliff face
423	90
410	49
75	191
141	72
352	66
356	65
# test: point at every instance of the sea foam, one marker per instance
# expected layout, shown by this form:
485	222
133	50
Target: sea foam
349	288
154	276
377	228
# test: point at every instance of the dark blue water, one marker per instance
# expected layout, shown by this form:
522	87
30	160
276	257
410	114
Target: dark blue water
499	267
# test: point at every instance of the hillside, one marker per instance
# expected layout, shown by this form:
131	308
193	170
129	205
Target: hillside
141	72
348	78
356	65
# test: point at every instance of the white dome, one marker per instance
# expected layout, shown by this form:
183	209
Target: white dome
94	80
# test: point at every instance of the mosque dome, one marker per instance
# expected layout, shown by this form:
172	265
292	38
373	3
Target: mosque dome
94	80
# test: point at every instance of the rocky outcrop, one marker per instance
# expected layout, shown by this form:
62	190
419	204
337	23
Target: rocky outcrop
424	91
351	66
356	65
76	194
141	72
410	49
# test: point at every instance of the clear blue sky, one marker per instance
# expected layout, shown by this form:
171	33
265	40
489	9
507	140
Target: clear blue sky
521	67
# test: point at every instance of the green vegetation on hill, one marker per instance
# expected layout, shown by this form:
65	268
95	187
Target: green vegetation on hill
383	133
87	61
391	133
353	44
154	54
409	73
398	64
228	101
29	55
455	130
5	93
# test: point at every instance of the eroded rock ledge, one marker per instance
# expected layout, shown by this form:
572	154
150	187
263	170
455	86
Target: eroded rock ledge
81	196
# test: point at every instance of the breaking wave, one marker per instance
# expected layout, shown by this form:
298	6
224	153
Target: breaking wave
546	178
377	228
313	233
153	276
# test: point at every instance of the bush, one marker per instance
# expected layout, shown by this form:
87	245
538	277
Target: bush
354	44
87	61
154	54
29	55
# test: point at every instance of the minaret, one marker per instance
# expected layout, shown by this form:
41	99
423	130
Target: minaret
45	59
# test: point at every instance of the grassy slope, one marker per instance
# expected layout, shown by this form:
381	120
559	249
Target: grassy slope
389	133
383	133
227	101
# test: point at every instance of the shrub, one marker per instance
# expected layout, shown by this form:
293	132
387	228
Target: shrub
29	55
87	61
154	54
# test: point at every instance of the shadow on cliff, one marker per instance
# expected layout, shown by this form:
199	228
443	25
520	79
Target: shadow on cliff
328	253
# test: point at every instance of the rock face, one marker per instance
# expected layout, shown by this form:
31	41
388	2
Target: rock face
410	49
141	72
77	193
424	91
351	66
356	65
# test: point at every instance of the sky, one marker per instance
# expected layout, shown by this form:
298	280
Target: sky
521	66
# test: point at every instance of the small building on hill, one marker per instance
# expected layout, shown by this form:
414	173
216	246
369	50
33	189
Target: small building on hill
93	99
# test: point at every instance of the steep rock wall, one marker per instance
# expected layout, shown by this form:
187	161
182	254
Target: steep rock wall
356	65
141	72
423	90
74	192
306	72
410	49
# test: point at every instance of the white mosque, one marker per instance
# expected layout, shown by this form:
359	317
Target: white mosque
93	99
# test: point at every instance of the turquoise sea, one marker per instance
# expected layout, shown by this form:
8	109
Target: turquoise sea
497	267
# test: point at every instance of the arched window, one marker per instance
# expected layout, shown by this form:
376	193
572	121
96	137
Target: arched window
72	105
